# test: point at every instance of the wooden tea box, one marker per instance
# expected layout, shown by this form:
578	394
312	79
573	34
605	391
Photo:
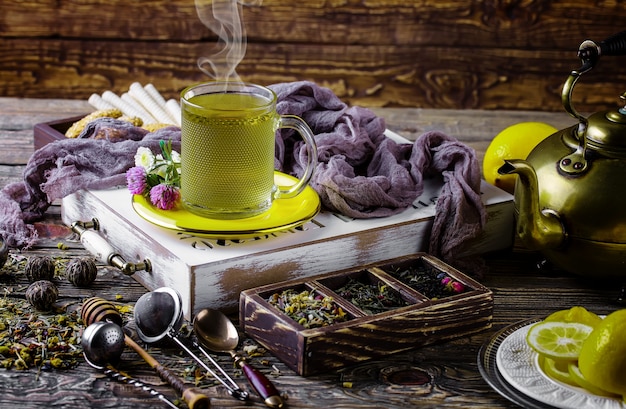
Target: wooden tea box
47	132
425	319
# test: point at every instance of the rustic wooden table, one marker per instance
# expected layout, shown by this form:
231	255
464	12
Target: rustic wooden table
441	375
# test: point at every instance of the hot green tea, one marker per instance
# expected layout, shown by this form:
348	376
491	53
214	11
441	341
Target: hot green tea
227	154
228	146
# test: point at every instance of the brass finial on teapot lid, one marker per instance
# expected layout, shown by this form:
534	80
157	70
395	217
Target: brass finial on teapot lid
620	115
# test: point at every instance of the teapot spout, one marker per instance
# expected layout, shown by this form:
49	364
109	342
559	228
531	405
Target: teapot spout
539	229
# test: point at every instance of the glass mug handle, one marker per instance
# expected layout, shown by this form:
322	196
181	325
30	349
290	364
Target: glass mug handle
298	124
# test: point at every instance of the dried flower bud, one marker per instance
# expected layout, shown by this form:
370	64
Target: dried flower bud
458	287
81	271
42	294
39	268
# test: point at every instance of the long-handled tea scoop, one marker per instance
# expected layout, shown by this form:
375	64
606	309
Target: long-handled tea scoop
97	309
158	314
217	333
103	343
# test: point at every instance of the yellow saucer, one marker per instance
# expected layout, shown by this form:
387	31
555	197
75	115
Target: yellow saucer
283	215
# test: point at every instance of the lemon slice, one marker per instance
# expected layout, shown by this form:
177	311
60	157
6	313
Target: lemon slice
560	341
581	381
576	314
558	371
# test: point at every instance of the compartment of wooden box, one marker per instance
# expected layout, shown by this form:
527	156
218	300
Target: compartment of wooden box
363	335
47	132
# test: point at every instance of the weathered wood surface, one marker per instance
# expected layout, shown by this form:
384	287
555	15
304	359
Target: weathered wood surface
435	376
448	54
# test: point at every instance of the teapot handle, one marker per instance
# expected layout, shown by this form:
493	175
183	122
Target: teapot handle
589	53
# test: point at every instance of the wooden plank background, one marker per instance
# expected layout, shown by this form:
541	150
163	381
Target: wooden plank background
479	54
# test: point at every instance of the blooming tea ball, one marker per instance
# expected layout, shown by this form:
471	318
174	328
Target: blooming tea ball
81	271
42	294
39	268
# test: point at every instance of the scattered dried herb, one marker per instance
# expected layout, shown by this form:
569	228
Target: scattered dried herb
16	266
31	338
431	282
309	309
28	340
371	298
13	265
190	371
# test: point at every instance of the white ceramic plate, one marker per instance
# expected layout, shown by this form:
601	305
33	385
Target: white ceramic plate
512	368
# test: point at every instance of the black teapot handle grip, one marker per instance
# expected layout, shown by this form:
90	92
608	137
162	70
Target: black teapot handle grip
589	52
614	45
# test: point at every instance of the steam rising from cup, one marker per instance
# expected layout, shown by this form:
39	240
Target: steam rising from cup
224	18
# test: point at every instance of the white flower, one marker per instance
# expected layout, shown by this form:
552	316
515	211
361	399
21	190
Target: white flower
175	157
144	158
160	169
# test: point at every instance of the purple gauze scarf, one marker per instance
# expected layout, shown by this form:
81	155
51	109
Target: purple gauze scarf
360	172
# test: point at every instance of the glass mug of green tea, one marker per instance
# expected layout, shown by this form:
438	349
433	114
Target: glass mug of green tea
228	149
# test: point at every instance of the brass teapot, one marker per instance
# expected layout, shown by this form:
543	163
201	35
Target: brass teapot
570	194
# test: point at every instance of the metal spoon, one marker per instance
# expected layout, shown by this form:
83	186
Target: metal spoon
158	314
217	333
103	343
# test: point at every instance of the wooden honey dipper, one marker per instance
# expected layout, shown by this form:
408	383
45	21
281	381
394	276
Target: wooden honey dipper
97	309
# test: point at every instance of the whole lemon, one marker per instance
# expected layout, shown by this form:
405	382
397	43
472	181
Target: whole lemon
514	142
602	359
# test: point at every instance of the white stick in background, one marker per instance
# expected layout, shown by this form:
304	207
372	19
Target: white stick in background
155	94
150	98
97	102
173	107
145	115
126	108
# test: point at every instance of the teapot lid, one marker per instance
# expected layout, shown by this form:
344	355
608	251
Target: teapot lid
620	115
606	131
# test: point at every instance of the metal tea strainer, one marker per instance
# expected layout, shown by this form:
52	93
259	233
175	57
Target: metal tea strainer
103	344
159	314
